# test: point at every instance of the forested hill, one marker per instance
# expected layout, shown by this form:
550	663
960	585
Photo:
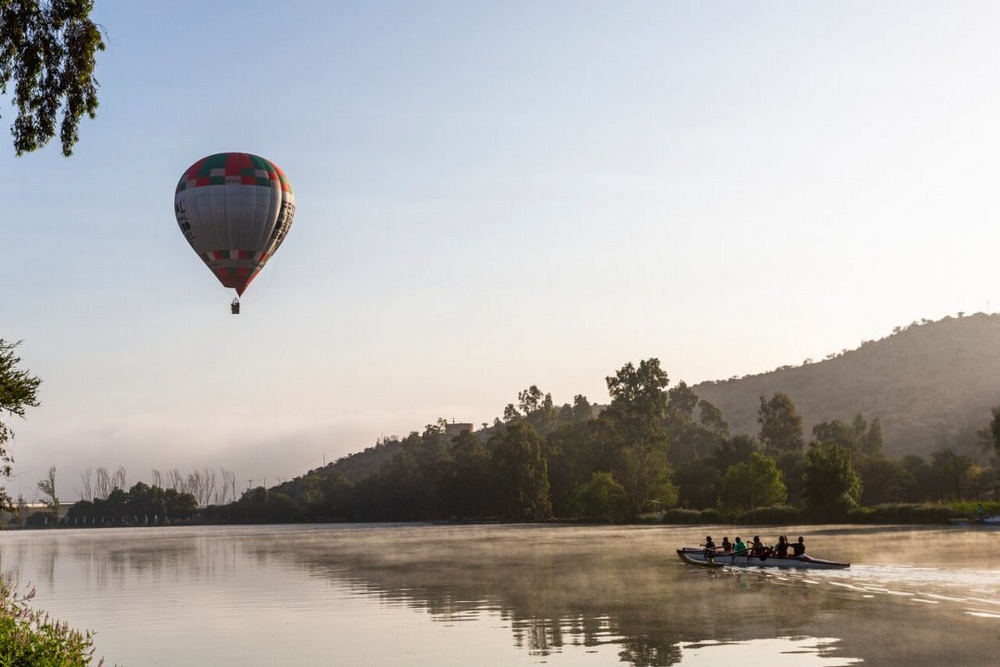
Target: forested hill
931	384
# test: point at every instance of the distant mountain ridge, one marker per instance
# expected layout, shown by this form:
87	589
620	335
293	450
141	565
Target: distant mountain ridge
931	384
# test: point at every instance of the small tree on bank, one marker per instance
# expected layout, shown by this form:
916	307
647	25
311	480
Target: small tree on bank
831	485
17	394
754	483
48	487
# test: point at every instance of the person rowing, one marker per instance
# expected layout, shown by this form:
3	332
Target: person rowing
782	549
727	546
739	547
709	549
799	548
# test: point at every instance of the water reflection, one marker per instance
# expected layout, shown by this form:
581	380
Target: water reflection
562	595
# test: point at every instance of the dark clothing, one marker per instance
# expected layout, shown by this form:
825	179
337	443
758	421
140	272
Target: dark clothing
798	549
782	548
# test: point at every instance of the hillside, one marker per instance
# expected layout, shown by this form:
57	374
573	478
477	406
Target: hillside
931	385
928	383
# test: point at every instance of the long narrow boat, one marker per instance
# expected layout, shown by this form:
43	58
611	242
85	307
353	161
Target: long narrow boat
698	557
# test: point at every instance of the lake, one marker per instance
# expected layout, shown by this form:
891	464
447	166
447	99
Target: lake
512	595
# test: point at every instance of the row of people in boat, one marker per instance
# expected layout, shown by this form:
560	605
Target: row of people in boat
756	547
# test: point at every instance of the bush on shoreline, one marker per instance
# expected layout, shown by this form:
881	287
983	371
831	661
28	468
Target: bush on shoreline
893	513
29	638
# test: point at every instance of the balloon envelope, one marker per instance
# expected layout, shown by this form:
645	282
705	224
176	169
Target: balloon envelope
235	210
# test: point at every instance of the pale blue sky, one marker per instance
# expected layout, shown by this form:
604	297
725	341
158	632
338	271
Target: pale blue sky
489	195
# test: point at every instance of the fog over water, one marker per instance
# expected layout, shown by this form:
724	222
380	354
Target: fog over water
512	595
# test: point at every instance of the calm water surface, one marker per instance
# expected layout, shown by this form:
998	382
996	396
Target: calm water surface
512	595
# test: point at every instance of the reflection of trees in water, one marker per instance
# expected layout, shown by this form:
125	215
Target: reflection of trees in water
643	653
153	553
118	556
558	587
22	551
604	590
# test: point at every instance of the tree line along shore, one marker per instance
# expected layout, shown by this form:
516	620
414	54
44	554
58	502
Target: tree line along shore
654	454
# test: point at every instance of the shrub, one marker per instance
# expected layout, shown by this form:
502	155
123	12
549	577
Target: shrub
711	515
682	516
600	499
42	520
29	638
972	508
912	514
774	515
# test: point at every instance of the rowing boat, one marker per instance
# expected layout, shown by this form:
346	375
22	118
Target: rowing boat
698	557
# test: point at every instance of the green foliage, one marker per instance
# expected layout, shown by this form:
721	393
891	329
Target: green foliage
542	460
972	508
141	505
600	499
780	425
711	515
573	454
859	437
903	513
645	475
831	485
774	515
404	484
29	638
535	407
697	482
754	483
917	468
731	451
955	473
792	466
518	462
632	428
995	429
690	438
682	516
884	480
17	393
367	462
637	394
48	50
42	520
48	487
465	477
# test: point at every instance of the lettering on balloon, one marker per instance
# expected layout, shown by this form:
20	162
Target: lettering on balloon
285	215
182	221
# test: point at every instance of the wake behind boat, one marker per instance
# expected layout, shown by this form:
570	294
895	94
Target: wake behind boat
707	558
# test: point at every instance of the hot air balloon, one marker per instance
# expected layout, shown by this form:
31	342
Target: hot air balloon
234	209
